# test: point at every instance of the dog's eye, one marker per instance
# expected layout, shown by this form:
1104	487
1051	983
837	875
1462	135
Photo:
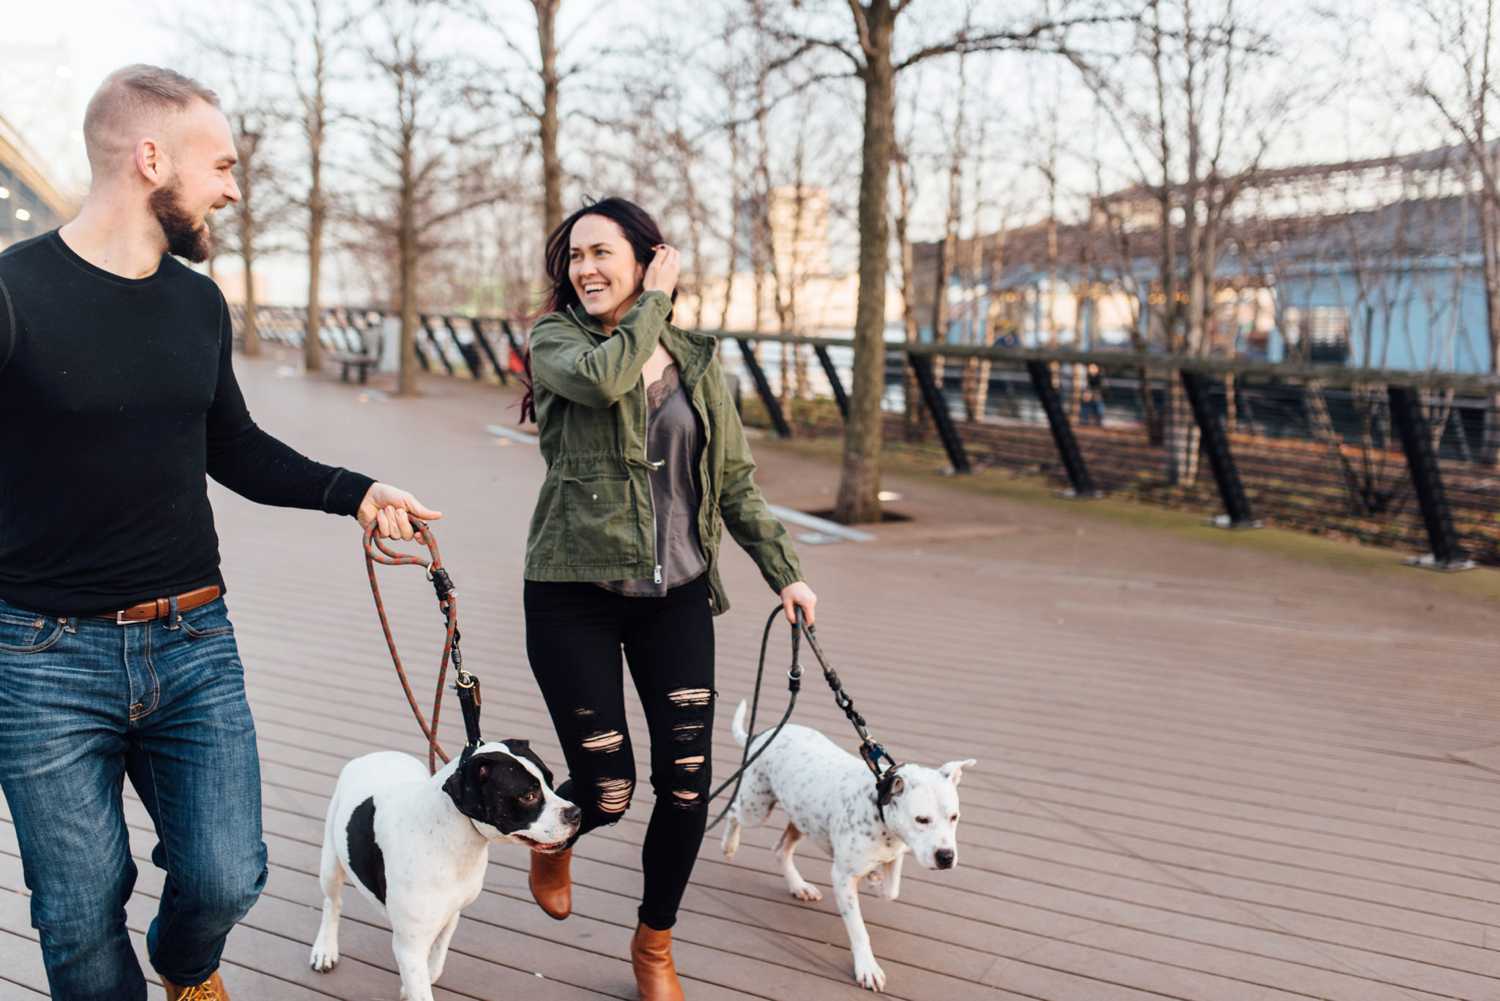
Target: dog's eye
954	818
531	797
924	821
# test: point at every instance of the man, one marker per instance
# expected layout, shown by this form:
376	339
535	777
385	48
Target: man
116	654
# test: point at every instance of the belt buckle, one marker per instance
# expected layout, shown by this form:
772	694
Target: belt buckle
120	619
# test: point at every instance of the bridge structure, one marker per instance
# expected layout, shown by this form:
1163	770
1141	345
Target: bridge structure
1211	765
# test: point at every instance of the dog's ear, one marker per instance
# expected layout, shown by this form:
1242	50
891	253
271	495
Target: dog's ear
953	771
898	786
466	786
522	749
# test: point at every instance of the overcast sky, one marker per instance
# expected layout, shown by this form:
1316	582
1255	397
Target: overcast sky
54	52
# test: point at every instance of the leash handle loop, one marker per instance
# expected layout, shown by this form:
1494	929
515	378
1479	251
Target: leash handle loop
467	685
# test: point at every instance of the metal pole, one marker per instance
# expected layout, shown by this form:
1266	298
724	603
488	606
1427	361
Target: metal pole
469	354
1216	444
1421	460
841	397
772	404
511	339
437	348
489	352
938	407
1062	430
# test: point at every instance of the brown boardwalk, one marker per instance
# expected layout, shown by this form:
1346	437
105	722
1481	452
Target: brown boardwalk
1206	771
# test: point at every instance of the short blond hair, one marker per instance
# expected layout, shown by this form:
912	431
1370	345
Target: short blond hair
132	101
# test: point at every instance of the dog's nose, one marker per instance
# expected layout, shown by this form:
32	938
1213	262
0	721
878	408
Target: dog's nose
945	858
572	814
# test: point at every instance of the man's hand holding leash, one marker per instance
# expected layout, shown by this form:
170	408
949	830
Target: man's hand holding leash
391	509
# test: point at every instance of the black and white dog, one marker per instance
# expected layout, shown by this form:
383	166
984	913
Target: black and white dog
828	796
417	845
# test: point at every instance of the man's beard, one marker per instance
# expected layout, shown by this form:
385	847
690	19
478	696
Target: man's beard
185	239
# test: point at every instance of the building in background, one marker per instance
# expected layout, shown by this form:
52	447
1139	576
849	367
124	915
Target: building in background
1370	263
29	202
801	294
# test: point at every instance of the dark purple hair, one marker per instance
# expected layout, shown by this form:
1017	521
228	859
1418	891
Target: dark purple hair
641	232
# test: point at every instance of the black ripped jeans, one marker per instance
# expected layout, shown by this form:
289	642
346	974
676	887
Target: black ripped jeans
574	635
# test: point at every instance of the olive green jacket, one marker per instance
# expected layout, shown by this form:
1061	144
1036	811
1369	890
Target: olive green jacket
594	517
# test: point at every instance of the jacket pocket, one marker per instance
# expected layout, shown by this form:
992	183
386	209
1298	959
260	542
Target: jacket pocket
599	521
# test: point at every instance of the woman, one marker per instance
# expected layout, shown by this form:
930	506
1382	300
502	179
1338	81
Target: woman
646	462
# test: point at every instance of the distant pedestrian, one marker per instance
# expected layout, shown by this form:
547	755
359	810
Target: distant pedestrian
1091	404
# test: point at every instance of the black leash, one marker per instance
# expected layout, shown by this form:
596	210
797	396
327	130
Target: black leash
870	751
793	684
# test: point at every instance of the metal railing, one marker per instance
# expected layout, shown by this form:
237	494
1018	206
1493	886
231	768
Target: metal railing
482	348
1393	458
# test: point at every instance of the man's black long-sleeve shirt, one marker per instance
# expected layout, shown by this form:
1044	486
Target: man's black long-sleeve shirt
117	396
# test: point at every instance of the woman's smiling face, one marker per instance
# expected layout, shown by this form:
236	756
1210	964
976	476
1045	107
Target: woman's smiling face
603	268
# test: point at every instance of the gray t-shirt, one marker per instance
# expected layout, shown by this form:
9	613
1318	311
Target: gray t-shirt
674	441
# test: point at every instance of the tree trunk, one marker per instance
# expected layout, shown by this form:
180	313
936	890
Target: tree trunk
1489	238
546	29
406	250
859	486
250	330
911	405
312	345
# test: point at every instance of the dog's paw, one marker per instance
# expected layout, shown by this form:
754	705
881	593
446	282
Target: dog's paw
324	959
868	974
808	892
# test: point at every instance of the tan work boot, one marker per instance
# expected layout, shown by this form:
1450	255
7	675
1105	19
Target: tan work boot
551	882
651	958
211	989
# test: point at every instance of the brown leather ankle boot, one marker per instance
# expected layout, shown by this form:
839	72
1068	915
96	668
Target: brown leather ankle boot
551	882
651	957
211	989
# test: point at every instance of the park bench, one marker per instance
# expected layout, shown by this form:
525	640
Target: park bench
358	347
350	361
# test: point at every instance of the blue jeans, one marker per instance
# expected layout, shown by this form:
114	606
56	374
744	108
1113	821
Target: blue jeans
83	704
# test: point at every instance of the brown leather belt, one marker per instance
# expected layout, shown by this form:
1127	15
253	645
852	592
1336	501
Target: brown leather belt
160	608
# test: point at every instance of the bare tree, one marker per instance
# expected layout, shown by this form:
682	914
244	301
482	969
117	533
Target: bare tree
239	68
905	255
538	97
947	250
1196	141
312	33
872	57
429	162
1460	82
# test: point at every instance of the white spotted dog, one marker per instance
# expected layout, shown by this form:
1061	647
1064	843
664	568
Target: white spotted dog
417	846
829	796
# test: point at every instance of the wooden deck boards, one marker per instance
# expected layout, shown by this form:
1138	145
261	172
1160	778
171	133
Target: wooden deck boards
1205	772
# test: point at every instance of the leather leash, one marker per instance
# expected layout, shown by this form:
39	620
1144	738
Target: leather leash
466	684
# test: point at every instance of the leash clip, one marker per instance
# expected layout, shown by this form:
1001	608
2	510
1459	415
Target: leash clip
441	583
469	700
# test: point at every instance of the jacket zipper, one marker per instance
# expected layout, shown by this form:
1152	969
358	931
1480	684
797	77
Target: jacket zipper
651	467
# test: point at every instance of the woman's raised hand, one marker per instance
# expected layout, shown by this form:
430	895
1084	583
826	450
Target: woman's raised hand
661	274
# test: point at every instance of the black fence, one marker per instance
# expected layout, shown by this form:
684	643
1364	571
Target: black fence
1399	459
483	348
